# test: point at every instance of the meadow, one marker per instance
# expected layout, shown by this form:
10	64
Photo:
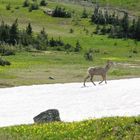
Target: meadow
129	5
35	67
118	128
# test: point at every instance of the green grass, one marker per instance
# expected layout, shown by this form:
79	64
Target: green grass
35	68
132	5
115	128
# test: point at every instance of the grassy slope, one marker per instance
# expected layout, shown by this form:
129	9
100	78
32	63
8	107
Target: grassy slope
35	68
115	128
131	5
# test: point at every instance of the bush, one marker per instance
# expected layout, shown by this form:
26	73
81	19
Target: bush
89	55
43	3
8	7
26	3
7	50
61	12
54	43
84	14
33	6
78	47
17	7
71	31
4	62
68	47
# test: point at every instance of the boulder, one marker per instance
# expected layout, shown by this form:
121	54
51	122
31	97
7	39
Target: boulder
50	115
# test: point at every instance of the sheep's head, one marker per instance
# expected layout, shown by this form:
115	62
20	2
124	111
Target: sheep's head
109	63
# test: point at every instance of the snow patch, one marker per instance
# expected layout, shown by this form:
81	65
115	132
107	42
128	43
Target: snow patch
18	105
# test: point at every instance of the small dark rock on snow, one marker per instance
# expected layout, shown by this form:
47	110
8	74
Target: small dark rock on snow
47	116
51	78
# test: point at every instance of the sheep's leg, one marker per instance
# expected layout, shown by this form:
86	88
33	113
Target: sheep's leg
91	79
104	79
86	79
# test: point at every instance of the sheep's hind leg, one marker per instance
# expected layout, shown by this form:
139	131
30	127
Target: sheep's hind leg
86	80
104	79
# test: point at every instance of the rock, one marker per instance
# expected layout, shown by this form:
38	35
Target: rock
50	115
51	78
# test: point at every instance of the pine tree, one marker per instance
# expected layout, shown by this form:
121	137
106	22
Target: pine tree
97	30
106	17
94	17
43	3
29	29
84	14
14	33
41	42
125	24
78	47
138	29
26	3
4	32
132	29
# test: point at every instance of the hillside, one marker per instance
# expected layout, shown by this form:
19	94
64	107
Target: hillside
131	5
106	129
55	42
26	65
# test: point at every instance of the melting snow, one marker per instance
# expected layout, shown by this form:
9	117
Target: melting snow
18	105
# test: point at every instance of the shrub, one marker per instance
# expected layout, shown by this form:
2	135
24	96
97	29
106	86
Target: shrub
89	55
8	7
33	6
84	14
54	43
43	3
61	12
4	62
17	7
7	50
78	47
68	47
26	3
71	30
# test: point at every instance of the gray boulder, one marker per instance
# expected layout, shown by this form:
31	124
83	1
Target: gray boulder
50	115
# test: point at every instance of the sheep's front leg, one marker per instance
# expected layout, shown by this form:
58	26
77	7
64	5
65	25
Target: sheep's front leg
86	80
104	79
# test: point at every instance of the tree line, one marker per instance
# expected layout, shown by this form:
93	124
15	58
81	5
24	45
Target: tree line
114	26
12	35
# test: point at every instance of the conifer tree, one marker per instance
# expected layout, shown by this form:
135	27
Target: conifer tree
94	17
4	32
138	29
14	33
132	29
125	24
26	3
78	46
84	14
29	29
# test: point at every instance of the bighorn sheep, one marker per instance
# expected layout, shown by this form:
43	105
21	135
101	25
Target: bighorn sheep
98	71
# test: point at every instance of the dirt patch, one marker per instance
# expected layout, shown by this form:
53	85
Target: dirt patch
128	65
